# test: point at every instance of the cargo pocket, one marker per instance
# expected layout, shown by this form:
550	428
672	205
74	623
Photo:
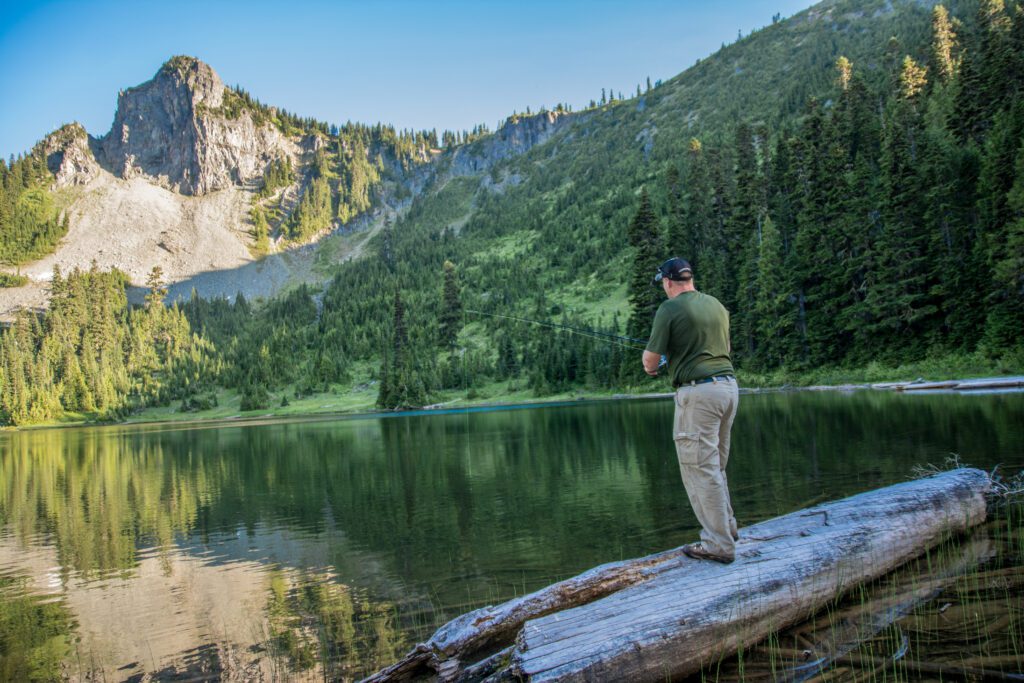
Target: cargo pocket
687	447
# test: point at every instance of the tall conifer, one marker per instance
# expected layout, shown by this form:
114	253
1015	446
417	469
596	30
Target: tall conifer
450	322
645	240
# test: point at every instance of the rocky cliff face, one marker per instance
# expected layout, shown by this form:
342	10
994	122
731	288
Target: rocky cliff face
69	157
185	131
519	135
168	186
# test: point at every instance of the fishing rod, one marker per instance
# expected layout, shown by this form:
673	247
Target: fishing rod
568	328
578	330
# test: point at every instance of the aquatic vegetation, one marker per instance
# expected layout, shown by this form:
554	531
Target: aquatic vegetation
954	613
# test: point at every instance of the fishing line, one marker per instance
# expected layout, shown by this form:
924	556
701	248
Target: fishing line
594	334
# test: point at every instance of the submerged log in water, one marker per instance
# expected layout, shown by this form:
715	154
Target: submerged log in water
666	615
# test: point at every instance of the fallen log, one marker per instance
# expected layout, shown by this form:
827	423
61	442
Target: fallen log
667	615
461	638
997	383
925	386
954	384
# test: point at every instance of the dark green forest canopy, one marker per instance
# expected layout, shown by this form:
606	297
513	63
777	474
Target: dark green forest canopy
850	183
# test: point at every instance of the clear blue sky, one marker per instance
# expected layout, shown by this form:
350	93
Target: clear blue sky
412	63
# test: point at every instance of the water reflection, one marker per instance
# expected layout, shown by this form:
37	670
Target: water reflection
328	547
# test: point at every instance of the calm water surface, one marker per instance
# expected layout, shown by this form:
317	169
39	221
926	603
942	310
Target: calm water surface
307	548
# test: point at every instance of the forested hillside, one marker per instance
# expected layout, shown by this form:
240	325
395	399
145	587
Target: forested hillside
30	225
195	177
849	182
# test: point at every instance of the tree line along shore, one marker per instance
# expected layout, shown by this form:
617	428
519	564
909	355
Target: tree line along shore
876	235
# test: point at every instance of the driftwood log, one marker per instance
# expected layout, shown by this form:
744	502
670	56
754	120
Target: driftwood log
955	384
666	615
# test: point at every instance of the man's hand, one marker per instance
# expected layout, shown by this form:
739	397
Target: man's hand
651	362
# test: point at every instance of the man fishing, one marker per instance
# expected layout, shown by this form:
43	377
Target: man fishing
692	329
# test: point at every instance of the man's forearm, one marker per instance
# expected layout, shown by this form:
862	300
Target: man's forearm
651	361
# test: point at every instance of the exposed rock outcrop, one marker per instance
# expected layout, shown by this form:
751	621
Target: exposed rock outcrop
168	186
519	135
69	157
185	131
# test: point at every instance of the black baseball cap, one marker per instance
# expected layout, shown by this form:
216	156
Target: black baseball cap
675	268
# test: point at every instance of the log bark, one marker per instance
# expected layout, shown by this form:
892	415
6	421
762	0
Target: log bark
465	636
665	615
683	619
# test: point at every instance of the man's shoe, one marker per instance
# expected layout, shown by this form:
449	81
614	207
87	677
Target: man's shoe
698	552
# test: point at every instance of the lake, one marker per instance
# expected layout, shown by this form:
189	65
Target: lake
328	547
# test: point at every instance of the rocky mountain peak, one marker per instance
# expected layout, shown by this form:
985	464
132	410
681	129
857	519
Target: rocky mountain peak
195	78
68	155
178	131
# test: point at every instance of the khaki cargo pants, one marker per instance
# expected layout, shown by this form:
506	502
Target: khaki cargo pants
703	420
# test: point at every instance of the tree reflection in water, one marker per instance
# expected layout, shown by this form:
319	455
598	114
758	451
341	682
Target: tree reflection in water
329	547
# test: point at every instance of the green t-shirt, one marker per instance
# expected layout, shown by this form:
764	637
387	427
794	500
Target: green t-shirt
692	329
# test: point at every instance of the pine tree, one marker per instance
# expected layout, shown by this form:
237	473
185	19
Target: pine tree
157	290
743	242
696	234
680	241
404	386
1006	313
900	288
387	245
1000	207
942	61
845	72
775	314
985	81
644	238
260	231
857	143
818	245
713	273
450	321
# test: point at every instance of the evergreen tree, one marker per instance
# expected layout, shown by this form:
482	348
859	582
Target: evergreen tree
1006	314
986	72
819	266
157	290
857	146
260	231
775	314
900	289
450	322
679	238
644	238
697	239
402	384
942	61
743	243
999	211
714	271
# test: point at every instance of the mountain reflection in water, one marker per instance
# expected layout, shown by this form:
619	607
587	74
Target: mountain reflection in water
313	548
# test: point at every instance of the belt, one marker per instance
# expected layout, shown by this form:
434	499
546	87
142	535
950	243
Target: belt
705	380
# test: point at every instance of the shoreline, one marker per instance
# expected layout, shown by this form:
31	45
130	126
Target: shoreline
987	384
